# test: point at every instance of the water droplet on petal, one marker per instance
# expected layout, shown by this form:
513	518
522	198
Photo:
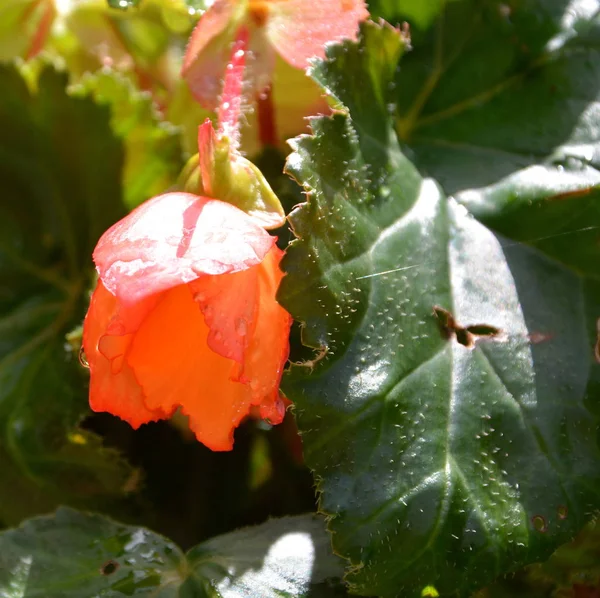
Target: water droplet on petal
241	326
83	359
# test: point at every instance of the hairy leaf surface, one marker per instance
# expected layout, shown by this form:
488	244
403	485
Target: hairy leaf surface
449	413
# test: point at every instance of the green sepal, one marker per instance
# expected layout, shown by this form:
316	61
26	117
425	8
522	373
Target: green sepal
223	173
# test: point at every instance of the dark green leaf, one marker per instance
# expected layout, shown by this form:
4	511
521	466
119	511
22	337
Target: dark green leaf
445	456
517	88
71	554
60	167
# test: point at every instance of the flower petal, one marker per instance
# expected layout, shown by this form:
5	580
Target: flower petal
269	346
260	63
229	303
207	53
174	365
113	386
247	324
299	29
173	239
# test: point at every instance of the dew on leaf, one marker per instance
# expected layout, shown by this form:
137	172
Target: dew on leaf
123	4
539	523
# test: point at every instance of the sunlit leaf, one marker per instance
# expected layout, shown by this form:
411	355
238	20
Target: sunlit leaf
284	557
446	454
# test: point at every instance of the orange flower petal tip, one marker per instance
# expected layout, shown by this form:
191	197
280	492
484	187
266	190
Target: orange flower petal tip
185	315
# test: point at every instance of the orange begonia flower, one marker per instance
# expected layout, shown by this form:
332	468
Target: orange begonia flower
185	315
296	29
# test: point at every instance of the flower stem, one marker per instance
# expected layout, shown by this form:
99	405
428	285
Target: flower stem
267	129
230	107
43	27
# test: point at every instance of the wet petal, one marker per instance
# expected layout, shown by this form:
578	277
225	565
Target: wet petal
229	303
208	51
173	239
260	61
175	366
247	324
268	349
113	386
300	29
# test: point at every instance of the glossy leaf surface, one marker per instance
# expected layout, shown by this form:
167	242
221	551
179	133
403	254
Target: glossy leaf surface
283	557
447	454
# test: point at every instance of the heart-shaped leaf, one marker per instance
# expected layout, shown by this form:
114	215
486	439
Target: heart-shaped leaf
447	414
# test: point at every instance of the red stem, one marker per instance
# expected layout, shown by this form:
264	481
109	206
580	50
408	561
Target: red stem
42	31
267	129
230	107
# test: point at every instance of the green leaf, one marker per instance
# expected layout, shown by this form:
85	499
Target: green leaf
136	38
71	554
449	449
283	557
419	12
153	150
123	4
517	88
60	167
